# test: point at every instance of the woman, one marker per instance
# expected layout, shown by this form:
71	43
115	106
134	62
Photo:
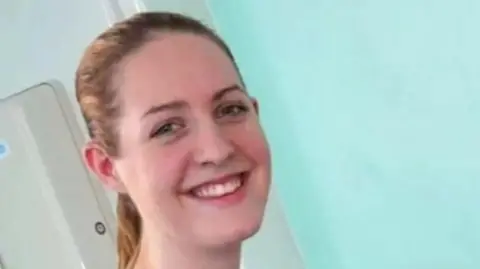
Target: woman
175	133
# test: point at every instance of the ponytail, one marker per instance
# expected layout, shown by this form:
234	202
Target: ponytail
129	229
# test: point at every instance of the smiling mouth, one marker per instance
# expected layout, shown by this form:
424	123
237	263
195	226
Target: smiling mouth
220	188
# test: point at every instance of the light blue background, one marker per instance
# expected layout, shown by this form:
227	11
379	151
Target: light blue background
373	112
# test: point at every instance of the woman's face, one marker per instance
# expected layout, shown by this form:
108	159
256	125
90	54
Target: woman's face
193	155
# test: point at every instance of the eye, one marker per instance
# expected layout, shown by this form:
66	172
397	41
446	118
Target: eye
232	110
167	129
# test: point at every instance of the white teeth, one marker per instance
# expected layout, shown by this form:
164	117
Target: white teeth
217	190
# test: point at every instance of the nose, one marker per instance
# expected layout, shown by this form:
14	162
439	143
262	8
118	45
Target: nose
212	146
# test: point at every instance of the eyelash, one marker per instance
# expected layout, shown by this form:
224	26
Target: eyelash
242	109
171	127
166	129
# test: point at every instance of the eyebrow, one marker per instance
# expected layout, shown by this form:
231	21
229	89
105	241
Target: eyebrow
175	105
219	95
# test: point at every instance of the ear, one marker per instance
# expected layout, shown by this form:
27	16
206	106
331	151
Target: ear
101	164
255	104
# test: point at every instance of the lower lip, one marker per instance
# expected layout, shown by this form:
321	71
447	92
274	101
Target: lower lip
226	200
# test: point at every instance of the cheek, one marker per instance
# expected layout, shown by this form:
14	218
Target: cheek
153	169
164	166
253	143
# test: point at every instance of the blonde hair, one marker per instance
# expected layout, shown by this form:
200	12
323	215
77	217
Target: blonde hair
96	95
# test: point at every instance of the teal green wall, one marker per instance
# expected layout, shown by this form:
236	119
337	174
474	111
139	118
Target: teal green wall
373	112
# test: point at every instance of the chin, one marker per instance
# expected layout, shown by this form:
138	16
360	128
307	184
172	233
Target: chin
232	234
244	233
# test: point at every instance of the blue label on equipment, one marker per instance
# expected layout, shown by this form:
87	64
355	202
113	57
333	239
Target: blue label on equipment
4	150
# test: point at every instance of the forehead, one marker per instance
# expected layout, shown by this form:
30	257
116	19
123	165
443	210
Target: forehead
175	66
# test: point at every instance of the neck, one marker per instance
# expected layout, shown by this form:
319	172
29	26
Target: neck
159	254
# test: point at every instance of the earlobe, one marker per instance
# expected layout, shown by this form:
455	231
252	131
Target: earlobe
101	164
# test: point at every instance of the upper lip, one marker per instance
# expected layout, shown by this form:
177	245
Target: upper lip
216	180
